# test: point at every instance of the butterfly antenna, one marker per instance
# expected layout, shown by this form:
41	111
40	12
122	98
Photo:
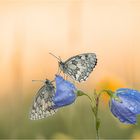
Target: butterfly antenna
37	81
52	81
58	58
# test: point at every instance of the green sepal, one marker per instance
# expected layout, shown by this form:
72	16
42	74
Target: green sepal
116	98
80	93
113	95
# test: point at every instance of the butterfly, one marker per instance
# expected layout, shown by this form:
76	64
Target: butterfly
43	105
78	67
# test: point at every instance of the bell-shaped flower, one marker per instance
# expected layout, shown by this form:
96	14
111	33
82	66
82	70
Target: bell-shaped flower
65	92
127	109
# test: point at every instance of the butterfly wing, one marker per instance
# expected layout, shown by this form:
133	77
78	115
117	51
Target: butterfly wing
80	66
43	105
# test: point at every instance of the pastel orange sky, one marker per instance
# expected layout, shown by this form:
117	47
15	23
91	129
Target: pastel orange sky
29	30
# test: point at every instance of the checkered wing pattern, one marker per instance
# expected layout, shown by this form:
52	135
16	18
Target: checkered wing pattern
80	66
43	105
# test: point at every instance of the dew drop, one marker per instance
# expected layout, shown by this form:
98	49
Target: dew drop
131	108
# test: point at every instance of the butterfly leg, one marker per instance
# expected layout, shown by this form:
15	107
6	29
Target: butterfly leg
59	71
64	76
73	81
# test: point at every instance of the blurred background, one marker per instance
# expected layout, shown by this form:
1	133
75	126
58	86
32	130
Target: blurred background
30	29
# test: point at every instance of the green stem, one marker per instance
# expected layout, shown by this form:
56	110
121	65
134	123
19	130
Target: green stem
97	126
97	119
94	107
96	123
81	93
109	92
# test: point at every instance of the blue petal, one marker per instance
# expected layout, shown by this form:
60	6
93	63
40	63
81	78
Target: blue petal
132	92
122	113
131	99
127	110
63	84
64	92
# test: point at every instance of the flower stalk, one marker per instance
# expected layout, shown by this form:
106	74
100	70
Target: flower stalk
124	104
94	107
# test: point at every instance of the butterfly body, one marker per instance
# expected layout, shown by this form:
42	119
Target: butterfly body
80	66
62	66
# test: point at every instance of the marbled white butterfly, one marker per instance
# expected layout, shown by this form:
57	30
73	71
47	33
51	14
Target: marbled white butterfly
78	67
43	105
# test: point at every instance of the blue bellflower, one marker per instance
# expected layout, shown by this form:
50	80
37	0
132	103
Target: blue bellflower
65	92
129	107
